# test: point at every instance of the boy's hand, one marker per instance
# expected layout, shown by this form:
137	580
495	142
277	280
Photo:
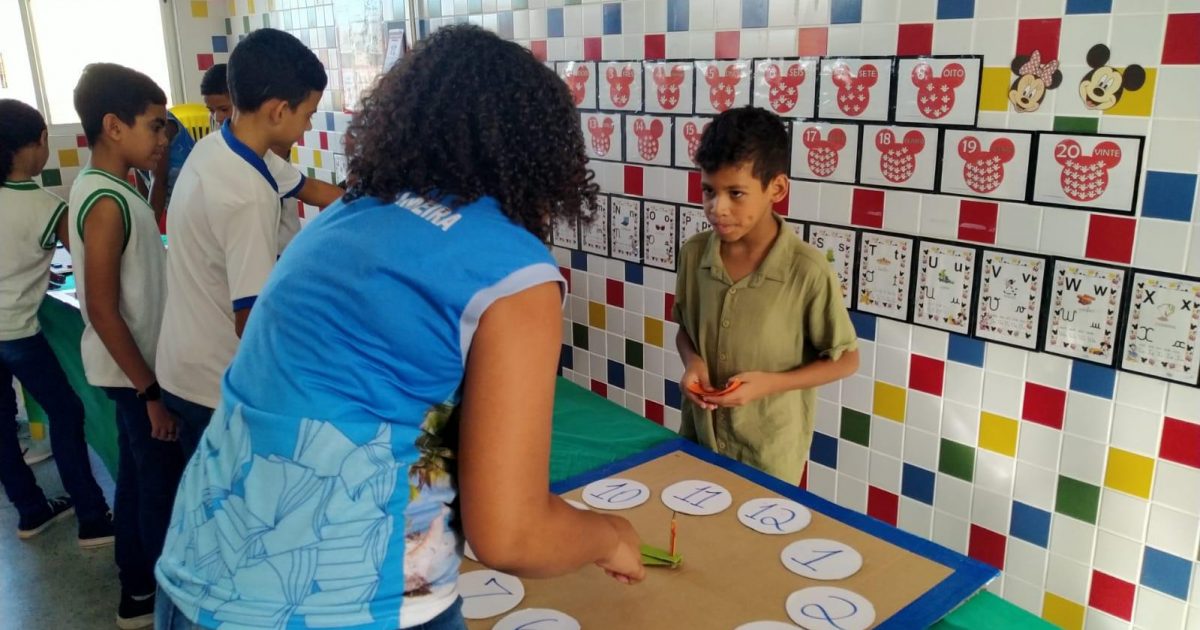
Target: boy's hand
162	424
754	385
696	372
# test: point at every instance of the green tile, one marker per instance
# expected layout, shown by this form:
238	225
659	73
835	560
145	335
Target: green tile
579	336
266	20
957	460
228	26
51	177
633	354
1078	499
520	4
474	6
856	426
571	2
1073	124
245	23
312	172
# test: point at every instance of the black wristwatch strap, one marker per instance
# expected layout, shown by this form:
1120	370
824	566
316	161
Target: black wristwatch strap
152	393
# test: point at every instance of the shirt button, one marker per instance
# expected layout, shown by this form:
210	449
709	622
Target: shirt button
722	356
725	324
721	444
733	292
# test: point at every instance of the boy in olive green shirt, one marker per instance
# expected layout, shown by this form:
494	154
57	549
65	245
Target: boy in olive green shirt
756	304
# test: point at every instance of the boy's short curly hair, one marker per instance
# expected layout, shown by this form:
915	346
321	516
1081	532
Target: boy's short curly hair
468	115
746	134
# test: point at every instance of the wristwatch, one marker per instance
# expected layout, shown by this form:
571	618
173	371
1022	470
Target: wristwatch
152	393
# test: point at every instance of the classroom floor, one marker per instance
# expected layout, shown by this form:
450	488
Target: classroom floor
48	582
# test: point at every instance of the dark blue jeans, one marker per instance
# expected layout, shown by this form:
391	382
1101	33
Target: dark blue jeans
147	477
193	420
168	617
33	363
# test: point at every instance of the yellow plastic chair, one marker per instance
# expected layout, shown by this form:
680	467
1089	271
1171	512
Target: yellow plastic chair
195	119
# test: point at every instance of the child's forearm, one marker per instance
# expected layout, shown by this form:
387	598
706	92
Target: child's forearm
687	351
118	340
817	373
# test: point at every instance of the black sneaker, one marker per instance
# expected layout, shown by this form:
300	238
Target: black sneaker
97	533
135	613
56	510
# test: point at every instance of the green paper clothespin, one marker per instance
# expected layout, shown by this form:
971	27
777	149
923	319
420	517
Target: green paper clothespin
655	557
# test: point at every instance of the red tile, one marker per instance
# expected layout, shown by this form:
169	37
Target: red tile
1111	595
977	221
592	49
616	293
1039	35
633	180
538	46
882	505
804	478
668	306
81	141
813	42
204	61
867	208
656	46
1180	442
926	374
1044	405
324	140
300	141
1110	238
987	546
728	44
781	206
599	388
566	273
695	188
1181	44
654	411
915	39
299	209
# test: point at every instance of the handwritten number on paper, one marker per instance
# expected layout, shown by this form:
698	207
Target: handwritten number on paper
535	622
706	490
808	564
823	614
767	519
616	493
501	590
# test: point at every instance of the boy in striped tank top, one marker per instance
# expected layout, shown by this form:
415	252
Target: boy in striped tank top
120	268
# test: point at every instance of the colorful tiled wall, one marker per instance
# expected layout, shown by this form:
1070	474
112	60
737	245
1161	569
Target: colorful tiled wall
1081	482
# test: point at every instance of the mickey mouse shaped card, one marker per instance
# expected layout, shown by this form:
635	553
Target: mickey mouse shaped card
942	91
1088	171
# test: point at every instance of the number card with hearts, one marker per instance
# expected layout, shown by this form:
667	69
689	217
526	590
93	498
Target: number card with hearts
625	232
839	247
855	88
691	222
945	286
938	90
648	139
1010	298
826	152
580	77
787	87
1088	171
990	164
722	85
594	235
602	135
669	87
899	157
885	275
659	227
566	232
1085	308
620	85
687	139
1164	322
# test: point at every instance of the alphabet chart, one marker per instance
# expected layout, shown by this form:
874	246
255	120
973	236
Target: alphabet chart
838	245
884	275
1084	309
660	236
945	287
1161	335
1010	298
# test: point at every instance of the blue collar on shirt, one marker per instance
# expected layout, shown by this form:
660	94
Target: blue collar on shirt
248	154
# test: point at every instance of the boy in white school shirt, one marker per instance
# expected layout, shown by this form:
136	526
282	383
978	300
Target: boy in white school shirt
224	218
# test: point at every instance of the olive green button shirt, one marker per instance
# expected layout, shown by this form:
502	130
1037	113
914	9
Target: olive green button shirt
787	313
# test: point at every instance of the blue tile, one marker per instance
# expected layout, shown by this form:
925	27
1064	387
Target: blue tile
674	398
578	260
423	28
845	12
823	450
864	325
966	350
1093	379
616	374
1166	573
1030	524
504	24
917	484
677	15
1089	6
1169	195
612	18
955	9
554	22
566	358
634	272
754	13
220	44
329	121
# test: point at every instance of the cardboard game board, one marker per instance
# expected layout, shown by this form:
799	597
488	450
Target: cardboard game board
732	575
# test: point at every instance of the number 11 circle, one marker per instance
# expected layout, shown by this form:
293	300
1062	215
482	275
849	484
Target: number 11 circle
696	497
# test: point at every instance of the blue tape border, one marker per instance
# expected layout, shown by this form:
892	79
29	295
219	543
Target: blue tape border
968	575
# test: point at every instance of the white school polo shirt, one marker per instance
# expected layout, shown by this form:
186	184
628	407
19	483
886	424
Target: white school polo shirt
28	218
223	225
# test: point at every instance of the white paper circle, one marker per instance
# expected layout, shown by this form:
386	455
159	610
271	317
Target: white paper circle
615	494
821	559
489	593
537	619
577	505
774	516
469	553
830	608
697	497
766	625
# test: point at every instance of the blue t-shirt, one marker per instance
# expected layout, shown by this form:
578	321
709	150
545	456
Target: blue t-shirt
320	495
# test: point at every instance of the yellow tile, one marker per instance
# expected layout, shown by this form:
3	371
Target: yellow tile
316	158
295	158
1062	612
1139	102
998	434
1129	472
890	401
250	7
654	332
68	157
993	94
232	8
199	8
596	315
37	430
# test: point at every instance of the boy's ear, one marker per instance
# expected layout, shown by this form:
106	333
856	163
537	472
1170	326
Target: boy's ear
111	126
276	108
45	138
779	187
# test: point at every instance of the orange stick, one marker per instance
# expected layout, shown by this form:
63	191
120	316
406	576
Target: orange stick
672	551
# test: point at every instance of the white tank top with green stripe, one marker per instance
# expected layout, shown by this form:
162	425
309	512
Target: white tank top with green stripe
143	272
28	218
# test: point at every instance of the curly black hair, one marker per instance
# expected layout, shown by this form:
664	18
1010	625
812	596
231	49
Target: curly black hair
745	134
468	115
23	126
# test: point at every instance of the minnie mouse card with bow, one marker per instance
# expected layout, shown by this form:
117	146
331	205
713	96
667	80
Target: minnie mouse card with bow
1088	171
991	164
938	90
855	88
826	152
787	87
580	77
722	85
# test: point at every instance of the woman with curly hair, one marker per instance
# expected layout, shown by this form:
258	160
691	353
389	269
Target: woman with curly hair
394	388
